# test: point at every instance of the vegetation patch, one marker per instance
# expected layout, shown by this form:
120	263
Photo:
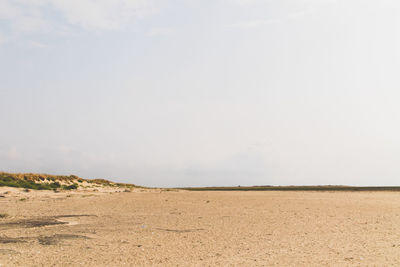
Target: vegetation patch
52	182
70	187
11	180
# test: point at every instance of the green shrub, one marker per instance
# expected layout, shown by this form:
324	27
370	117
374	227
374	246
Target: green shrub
7	180
55	185
70	187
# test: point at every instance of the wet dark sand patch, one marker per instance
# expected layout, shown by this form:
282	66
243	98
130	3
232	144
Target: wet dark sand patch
57	238
30	223
9	240
43	240
39	222
73	216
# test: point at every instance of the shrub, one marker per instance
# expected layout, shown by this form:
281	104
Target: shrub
55	185
70	187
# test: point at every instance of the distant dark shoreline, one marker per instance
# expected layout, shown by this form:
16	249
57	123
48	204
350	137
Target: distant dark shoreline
295	188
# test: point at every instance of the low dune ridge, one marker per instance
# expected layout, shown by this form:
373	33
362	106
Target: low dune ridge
55	182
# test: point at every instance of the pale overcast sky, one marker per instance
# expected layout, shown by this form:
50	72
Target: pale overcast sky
202	92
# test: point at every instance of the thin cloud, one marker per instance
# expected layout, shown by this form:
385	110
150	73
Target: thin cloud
104	14
34	16
310	7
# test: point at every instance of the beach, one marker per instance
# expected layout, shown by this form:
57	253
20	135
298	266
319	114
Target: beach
167	227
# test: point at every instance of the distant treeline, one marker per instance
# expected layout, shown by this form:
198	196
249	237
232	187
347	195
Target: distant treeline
296	188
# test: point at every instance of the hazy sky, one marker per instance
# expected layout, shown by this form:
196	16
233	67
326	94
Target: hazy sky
202	92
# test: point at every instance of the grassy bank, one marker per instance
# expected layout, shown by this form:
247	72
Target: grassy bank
52	182
37	181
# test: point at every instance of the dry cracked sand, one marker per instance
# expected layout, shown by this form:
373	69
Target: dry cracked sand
180	228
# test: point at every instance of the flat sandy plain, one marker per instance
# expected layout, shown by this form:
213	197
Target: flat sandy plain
182	228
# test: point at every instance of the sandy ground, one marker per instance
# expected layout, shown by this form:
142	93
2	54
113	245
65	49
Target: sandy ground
178	228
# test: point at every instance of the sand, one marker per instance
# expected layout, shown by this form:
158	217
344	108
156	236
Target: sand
180	228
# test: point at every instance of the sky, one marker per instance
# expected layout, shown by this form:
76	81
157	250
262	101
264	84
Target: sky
202	92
